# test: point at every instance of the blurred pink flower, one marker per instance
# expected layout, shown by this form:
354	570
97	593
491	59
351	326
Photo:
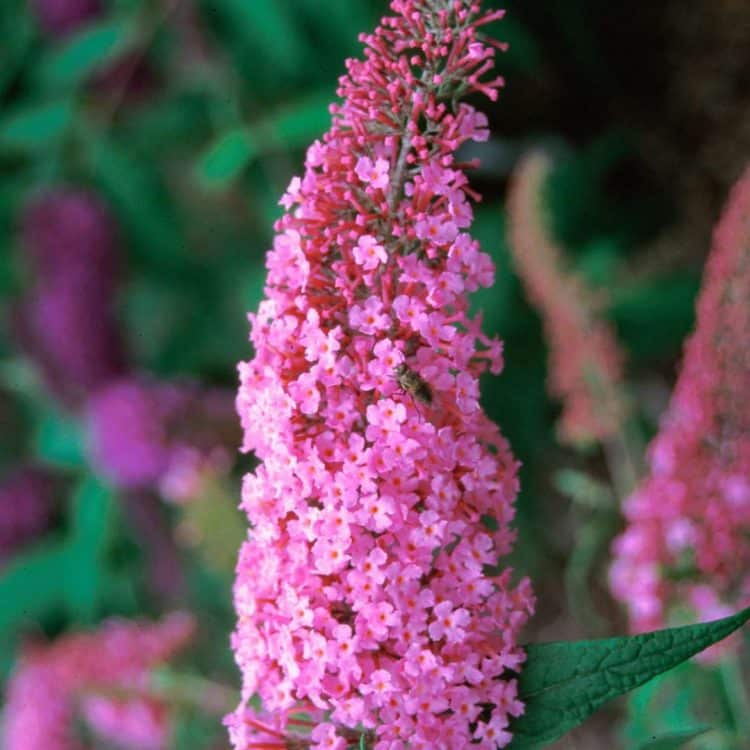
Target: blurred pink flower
101	676
685	551
364	596
585	361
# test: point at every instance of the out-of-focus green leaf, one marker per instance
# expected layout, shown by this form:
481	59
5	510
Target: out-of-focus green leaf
494	303
268	29
524	53
177	122
585	196
211	524
584	489
58	440
31	585
139	197
91	518
599	261
675	740
298	124
252	287
226	158
337	22
34	127
16	34
654	316
88	51
293	126
688	696
152	311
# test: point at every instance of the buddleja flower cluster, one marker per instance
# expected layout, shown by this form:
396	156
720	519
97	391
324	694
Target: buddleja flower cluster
686	547
368	594
585	362
101	677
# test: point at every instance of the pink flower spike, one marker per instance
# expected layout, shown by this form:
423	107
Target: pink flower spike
685	550
362	595
585	360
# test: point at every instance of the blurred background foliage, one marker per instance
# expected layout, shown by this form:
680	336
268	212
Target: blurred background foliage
186	120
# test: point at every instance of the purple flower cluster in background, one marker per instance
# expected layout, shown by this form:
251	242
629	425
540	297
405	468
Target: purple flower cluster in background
57	18
146	433
145	436
66	323
141	431
128	75
27	507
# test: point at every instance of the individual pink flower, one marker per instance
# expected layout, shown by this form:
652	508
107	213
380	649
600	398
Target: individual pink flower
685	551
585	361
101	677
376	172
365	593
368	253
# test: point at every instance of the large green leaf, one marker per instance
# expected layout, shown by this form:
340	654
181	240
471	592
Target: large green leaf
563	683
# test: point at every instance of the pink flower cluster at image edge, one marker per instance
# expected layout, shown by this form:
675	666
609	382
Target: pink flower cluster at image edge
99	676
365	595
686	547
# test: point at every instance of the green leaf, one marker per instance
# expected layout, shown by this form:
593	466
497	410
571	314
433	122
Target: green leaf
35	126
58	440
690	695
85	53
662	306
565	682
17	33
297	124
293	126
91	516
675	740
31	585
225	158
140	199
268	28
